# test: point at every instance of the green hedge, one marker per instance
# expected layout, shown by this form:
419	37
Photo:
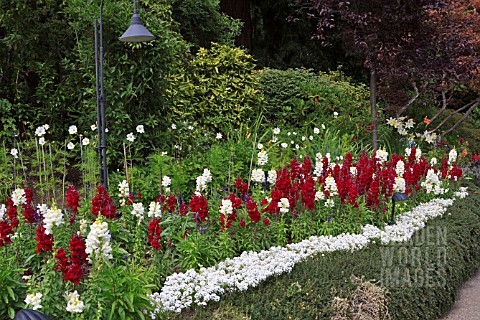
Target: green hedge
447	249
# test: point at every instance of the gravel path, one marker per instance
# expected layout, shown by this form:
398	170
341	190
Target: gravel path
467	307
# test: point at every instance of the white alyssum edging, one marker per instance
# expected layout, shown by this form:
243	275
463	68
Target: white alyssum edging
250	268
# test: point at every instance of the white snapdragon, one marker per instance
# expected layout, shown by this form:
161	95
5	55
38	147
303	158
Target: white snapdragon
166	182
226	207
83	226
155	210
124	192
433	162
433	183
319	195
400	168
138	211
317	172
53	217
74	304
258	175
353	171
331	185
262	158
452	156
34	300
43	208
418	154
284	205
203	180
381	155
3	209
329	203
272	177
18	197
98	241
399	184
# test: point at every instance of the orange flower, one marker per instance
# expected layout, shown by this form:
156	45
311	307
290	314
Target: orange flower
426	120
464	153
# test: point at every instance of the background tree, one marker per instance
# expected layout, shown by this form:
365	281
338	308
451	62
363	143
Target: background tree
371	29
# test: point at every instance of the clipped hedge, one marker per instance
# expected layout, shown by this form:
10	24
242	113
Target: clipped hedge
432	266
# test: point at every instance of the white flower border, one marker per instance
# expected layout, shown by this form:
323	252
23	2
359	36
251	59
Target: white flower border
250	268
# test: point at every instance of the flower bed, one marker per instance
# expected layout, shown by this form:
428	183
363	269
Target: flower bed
182	289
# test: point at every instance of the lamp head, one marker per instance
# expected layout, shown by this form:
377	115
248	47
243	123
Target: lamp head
137	31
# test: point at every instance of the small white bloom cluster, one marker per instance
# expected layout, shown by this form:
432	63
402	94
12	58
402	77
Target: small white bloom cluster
381	155
262	158
317	172
140	129
226	207
400	168
331	185
124	191
3	209
418	153
34	300
433	162
43	208
52	217
452	156
98	241
409	222
284	205
203	180
138	211
319	195
72	129
83	226
353	171
272	177
74	304
433	183
181	290
462	193
258	175
399	185
14	152
155	210
166	182
18	197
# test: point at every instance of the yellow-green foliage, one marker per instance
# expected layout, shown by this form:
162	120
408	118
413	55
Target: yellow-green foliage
218	86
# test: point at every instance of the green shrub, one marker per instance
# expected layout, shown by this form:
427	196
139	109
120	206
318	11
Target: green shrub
307	291
297	97
219	86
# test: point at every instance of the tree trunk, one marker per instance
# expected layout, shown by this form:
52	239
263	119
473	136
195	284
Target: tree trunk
240	9
373	108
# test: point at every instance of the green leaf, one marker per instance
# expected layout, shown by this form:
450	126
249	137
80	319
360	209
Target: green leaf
10	292
11	312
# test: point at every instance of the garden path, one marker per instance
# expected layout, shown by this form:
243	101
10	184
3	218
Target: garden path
467	306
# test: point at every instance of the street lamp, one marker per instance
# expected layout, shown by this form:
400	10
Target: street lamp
135	33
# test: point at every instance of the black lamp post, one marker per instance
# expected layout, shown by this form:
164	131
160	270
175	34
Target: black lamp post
397	196
135	33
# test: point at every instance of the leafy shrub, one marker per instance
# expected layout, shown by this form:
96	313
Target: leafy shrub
296	97
217	87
